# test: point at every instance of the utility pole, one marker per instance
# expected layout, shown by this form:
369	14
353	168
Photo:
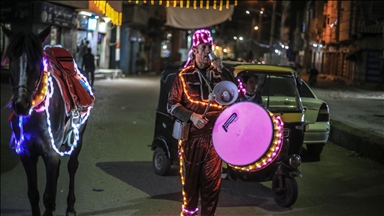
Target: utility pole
272	30
252	29
382	60
260	25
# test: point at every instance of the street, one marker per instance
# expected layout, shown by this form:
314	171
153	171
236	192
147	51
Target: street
355	106
115	175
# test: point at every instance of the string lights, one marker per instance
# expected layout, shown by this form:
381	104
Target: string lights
196	3
187	93
181	153
107	10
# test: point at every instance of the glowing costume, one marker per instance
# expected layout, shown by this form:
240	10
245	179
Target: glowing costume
200	166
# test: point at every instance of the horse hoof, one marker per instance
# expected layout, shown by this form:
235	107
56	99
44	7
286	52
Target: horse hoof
48	214
71	213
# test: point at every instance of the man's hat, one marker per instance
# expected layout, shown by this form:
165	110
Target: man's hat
200	36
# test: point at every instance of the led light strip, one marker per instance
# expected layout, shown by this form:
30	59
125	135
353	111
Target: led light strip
273	151
102	5
186	92
181	153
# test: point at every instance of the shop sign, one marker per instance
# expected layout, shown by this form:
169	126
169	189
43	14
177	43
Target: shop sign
54	14
83	22
16	12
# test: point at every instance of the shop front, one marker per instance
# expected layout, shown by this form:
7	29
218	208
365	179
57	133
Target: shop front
34	16
99	24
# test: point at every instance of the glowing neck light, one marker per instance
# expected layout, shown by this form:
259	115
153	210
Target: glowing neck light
18	143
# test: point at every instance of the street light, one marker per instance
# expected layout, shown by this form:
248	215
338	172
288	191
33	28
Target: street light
256	28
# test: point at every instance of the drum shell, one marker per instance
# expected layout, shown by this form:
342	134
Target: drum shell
244	134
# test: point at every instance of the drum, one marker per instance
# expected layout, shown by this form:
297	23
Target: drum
247	137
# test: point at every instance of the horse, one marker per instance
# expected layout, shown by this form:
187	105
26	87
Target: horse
41	124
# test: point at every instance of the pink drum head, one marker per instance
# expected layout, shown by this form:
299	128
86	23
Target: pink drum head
242	133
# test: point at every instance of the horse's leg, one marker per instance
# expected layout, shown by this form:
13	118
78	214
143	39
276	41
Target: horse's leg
52	167
73	164
29	164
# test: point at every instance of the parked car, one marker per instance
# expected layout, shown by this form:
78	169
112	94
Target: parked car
318	118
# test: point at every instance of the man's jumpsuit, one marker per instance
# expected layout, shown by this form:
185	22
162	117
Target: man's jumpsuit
201	166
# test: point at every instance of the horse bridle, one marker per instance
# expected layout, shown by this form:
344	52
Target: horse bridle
23	86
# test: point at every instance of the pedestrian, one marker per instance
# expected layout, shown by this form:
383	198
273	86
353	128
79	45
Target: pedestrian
140	64
313	76
189	97
82	51
89	66
253	93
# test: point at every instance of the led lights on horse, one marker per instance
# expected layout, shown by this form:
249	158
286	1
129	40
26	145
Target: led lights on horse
39	98
46	91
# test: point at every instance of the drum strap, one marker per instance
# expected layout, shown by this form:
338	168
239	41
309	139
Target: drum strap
206	81
210	92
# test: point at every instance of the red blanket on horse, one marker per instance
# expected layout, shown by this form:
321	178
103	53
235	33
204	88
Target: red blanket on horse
76	94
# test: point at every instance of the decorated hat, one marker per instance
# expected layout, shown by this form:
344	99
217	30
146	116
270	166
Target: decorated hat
199	37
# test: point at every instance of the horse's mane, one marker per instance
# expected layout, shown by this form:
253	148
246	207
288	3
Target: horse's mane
28	43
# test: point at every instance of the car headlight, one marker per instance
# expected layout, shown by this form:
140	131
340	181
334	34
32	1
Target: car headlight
295	161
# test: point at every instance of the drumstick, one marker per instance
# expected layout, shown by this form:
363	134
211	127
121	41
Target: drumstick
206	109
211	97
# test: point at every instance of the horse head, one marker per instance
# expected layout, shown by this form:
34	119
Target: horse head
24	54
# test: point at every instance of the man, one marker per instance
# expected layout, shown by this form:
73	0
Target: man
200	164
89	66
313	75
82	51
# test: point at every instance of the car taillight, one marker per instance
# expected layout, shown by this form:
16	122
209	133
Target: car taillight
323	113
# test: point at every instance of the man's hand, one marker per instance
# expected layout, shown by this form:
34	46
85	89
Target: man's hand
198	120
216	62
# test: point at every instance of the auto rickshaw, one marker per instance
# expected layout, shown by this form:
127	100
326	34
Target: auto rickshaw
277	161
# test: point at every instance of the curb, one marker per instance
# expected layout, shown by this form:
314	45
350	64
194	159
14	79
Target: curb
365	143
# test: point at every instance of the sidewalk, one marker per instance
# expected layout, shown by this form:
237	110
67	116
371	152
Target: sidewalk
108	73
365	143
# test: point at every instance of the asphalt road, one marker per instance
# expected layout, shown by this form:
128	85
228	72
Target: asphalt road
359	106
116	158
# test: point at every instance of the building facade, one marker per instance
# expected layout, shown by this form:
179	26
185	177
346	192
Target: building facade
73	22
345	39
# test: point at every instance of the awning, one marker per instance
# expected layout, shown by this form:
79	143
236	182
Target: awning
109	8
190	18
354	55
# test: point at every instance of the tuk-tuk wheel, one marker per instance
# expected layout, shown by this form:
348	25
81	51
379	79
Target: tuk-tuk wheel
314	150
284	190
161	164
